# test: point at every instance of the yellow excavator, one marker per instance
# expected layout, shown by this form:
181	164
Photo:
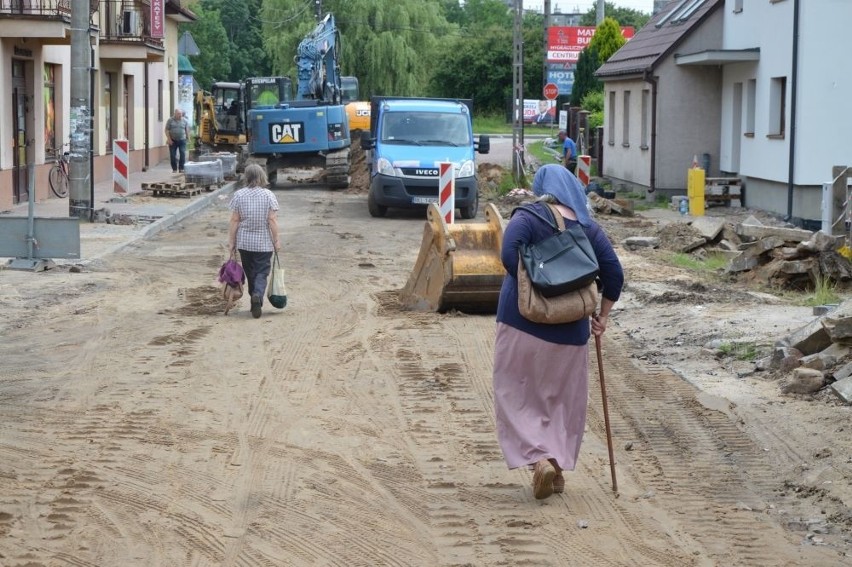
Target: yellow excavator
458	266
358	111
220	120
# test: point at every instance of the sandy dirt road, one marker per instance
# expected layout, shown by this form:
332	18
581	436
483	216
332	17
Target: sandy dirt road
140	426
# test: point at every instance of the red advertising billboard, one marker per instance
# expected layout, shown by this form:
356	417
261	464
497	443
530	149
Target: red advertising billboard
158	25
564	43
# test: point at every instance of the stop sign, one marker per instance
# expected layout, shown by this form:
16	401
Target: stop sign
551	91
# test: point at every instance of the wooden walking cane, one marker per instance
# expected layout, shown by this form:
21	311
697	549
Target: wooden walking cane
606	414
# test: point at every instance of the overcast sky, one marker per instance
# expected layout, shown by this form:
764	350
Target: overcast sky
582	6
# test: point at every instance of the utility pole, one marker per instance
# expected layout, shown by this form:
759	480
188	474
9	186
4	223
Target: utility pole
518	94
80	172
546	24
599	15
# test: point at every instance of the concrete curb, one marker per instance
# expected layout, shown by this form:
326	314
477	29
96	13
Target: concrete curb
166	222
191	209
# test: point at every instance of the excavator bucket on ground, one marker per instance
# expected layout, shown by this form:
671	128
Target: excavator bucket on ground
458	266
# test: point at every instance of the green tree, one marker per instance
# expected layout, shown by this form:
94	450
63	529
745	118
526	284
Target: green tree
624	16
607	39
476	67
245	47
584	75
207	31
390	45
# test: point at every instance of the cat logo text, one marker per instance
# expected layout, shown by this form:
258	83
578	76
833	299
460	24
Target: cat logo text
287	133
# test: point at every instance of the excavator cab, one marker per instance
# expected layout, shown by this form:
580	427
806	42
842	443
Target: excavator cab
458	266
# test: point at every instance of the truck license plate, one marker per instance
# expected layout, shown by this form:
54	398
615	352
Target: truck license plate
424	200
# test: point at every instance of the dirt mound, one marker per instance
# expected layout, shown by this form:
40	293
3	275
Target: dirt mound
678	236
359	181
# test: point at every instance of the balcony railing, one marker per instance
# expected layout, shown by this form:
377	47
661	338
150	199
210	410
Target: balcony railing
45	9
125	21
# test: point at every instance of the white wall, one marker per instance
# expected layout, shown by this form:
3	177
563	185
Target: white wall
823	122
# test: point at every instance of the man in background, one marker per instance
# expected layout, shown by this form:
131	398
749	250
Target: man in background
177	133
569	151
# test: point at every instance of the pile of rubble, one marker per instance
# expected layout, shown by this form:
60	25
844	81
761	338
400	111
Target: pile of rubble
789	258
815	356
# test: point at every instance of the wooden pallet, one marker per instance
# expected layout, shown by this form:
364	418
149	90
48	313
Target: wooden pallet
172	189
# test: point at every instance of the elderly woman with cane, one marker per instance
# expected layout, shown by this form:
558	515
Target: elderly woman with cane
253	231
541	370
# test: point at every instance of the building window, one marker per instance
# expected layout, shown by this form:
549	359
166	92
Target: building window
611	126
626	120
777	106
160	100
751	97
49	94
738	6
107	102
646	109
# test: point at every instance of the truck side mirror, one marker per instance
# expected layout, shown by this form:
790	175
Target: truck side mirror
367	142
483	146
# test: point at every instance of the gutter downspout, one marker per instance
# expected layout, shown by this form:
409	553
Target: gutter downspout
147	163
649	78
793	103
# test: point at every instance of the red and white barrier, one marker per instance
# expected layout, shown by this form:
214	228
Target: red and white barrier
120	166
447	192
584	168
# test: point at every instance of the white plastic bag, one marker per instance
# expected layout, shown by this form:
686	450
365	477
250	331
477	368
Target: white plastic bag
276	293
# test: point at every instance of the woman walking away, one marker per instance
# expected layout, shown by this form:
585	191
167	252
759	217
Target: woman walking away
254	232
541	370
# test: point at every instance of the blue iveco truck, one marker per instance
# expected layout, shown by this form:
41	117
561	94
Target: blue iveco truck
407	140
311	130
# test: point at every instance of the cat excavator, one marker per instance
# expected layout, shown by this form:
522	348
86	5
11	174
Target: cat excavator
311	130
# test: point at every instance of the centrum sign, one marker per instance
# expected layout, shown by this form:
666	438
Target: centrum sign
157	25
564	43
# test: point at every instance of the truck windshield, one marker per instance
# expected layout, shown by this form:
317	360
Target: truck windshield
426	128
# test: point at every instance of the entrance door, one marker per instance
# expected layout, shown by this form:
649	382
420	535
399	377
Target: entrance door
20	179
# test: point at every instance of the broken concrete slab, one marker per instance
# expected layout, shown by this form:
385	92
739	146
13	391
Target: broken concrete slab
762	245
709	227
819	361
742	263
804	381
788	234
843	372
752	221
810	339
821	242
634	242
843	390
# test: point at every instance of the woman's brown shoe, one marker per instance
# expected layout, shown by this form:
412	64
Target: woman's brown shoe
558	483
543	474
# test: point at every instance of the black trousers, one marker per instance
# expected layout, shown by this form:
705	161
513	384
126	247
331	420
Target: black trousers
256	265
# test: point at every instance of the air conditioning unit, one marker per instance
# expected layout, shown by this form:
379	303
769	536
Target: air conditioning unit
128	22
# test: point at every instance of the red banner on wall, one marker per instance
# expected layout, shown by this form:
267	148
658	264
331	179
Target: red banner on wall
564	43
158	26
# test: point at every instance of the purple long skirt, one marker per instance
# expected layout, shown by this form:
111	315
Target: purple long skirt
541	391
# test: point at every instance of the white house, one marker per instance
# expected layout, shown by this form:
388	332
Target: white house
755	84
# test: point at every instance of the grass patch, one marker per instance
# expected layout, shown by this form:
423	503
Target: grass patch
712	263
491	124
542	154
825	292
746	352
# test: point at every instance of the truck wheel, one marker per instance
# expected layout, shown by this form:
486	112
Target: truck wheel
470	212
376	210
